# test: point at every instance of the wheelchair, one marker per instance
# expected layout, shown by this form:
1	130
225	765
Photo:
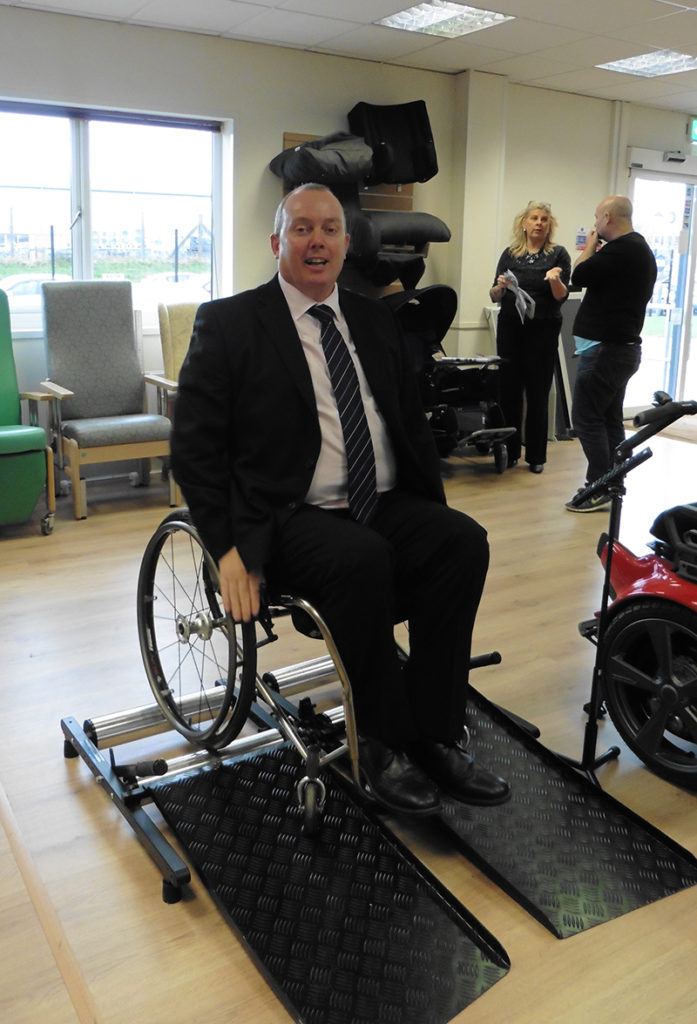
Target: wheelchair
202	666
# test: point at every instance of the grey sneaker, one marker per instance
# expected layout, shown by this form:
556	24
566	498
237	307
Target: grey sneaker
594	504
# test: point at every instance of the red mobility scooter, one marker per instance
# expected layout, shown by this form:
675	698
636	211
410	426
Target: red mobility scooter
645	673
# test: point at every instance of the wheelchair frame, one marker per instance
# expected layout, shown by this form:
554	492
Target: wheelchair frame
126	783
202	670
202	666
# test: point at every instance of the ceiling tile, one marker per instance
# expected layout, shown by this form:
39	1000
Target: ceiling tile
453	55
525	36
636	92
526	68
216	16
674	32
375	42
601	49
364	11
587	80
111	9
585	15
290	29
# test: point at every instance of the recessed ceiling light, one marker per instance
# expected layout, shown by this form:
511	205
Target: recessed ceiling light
444	18
650	65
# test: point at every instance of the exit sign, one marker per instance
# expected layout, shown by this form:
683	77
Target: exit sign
693	129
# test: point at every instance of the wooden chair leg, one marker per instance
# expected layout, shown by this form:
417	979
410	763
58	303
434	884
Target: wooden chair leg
50	482
79	487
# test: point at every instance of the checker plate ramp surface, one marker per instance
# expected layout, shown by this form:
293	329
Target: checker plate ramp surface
347	927
569	853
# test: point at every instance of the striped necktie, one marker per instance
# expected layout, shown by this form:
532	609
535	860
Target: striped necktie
360	457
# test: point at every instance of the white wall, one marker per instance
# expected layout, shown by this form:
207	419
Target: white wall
515	143
498	144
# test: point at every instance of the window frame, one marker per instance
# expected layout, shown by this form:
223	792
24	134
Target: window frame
79	119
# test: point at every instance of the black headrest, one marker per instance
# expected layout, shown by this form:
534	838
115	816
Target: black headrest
333	159
401	140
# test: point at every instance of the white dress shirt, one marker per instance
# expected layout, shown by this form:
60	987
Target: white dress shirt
329	485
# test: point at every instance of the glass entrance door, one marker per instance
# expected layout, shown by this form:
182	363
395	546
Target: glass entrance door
687	373
664	215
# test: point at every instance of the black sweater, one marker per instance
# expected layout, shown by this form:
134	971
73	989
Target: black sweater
619	280
531	278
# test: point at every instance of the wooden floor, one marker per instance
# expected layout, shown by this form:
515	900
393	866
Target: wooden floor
85	935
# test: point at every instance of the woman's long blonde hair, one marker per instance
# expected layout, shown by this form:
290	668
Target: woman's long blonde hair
518	244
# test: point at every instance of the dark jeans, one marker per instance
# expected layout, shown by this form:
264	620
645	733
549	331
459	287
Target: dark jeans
418	560
529	350
596	412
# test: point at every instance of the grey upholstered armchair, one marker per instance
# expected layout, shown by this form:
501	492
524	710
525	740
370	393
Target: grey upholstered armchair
98	413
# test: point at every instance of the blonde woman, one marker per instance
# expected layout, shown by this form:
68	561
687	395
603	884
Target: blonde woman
528	344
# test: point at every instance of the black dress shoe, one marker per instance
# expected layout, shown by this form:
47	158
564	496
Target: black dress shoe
453	769
395	781
536	467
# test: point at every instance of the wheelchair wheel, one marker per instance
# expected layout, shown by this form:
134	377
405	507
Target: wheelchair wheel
312	807
311	793
201	666
500	457
649	672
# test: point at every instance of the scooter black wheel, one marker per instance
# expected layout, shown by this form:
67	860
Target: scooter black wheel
649	677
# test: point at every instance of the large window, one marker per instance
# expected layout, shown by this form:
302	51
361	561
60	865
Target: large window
84	196
35	211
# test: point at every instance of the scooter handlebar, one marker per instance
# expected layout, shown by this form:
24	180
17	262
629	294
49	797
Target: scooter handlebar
664	414
603	483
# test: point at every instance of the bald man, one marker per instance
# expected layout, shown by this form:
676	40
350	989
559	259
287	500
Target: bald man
618	270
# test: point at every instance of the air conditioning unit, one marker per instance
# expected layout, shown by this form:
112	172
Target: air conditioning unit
663	161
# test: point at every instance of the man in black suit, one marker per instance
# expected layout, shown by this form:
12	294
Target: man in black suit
259	448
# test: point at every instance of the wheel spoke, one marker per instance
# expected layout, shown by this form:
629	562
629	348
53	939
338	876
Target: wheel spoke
630	675
660	635
688	686
190	649
650	735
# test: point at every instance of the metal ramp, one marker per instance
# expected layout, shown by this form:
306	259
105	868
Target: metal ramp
346	925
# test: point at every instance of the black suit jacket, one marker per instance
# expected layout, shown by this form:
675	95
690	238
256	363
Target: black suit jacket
246	435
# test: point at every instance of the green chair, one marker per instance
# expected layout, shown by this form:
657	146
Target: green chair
26	463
